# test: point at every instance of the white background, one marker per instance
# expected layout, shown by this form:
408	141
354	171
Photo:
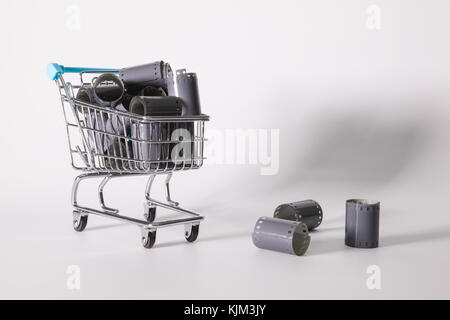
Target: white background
361	113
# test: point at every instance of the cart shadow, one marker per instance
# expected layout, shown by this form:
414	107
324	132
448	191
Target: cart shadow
352	147
319	247
107	226
416	237
204	239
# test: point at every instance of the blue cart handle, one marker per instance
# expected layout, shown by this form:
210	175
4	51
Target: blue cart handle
54	70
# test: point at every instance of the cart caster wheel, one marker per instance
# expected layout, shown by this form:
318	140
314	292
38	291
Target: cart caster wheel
150	215
149	240
194	233
80	223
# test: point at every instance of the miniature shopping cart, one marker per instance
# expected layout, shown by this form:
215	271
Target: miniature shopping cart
142	146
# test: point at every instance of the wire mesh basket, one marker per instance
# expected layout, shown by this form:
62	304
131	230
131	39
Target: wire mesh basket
109	140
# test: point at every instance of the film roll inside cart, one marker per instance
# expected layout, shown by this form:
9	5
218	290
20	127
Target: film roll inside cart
115	150
108	90
307	211
362	221
101	124
156	106
147	154
155	131
187	87
156	74
151	91
281	235
94	120
85	94
126	99
147	91
151	153
118	125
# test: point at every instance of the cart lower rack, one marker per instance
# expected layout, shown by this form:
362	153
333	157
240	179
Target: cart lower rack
107	143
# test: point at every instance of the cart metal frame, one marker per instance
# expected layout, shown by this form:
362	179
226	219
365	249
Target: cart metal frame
98	163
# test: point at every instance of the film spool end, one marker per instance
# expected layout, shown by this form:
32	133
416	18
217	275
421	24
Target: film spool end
137	106
106	94
301	239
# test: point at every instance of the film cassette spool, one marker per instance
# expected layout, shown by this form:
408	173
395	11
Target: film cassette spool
362	222
108	90
281	235
307	211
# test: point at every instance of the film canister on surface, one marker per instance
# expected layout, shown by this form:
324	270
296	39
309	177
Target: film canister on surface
308	212
281	235
362	219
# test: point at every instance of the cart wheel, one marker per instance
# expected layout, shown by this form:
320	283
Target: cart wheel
151	214
194	233
80	223
149	240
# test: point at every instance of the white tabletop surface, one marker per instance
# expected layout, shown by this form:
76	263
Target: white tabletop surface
361	113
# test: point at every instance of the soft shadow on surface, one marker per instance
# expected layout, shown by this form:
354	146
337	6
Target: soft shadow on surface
321	229
415	237
204	239
331	220
367	145
106	226
319	246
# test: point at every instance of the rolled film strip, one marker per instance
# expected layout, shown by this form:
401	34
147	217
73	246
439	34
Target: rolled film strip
308	212
281	235
362	223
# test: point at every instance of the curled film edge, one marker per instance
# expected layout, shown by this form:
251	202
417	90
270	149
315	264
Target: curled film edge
307	211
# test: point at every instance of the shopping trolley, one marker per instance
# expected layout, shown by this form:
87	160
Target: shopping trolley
139	145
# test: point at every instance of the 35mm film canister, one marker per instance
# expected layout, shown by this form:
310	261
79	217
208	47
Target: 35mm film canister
281	235
308	212
187	86
362	219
